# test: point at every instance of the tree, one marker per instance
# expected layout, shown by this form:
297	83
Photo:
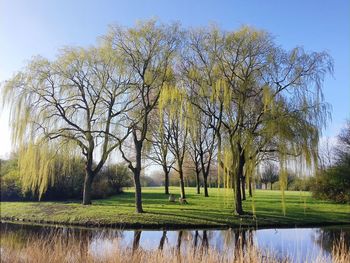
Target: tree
198	70
342	150
147	51
118	176
10	183
203	146
159	152
325	154
269	175
268	101
175	98
333	183
72	105
194	154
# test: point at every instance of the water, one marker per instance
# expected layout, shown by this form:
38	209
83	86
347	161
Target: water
299	244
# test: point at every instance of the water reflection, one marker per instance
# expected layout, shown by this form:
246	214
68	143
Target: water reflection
300	244
162	240
136	240
325	237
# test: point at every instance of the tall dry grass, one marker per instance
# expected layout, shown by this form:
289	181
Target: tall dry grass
57	249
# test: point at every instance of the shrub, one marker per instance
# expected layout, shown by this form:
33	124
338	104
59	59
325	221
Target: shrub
111	180
11	187
67	185
334	183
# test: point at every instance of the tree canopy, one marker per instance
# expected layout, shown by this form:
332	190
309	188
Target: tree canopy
238	96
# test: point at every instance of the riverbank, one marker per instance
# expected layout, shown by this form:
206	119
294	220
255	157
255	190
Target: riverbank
212	212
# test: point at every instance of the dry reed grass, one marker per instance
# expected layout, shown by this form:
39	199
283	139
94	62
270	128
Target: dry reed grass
57	249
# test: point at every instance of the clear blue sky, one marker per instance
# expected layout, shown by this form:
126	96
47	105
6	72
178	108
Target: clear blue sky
29	28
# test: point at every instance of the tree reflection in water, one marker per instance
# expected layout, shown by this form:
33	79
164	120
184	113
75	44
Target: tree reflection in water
325	237
136	240
162	240
231	241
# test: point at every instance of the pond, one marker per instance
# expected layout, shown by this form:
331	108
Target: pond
299	244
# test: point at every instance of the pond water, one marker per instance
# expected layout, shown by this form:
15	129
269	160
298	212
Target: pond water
299	244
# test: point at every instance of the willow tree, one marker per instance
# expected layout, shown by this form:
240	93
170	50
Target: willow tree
200	74
203	146
148	52
193	152
278	99
159	152
174	100
271	98
70	106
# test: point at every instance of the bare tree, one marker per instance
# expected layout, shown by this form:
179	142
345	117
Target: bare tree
269	175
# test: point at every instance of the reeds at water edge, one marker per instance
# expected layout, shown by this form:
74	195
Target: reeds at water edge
57	249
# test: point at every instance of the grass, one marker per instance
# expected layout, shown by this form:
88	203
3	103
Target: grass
214	211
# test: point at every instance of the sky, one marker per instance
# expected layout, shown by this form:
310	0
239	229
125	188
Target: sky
42	27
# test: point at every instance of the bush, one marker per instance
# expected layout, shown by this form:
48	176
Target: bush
111	180
10	181
69	185
301	184
11	187
334	183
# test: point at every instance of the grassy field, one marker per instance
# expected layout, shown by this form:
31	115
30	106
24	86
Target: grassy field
214	211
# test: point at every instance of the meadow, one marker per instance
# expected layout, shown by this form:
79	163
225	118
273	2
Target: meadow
264	209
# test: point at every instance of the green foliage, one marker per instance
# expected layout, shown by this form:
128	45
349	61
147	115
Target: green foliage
297	183
333	183
63	109
268	100
68	182
262	102
10	181
11	187
111	180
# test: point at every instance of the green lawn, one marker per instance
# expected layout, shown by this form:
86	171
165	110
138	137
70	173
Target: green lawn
214	211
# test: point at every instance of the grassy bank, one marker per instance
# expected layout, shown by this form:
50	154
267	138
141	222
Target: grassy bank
214	211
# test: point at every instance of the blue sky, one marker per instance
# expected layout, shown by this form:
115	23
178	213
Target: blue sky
29	28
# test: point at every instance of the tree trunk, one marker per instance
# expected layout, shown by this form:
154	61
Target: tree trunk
238	197
243	187
137	173
250	188
237	183
198	181
271	187
205	177
87	188
166	181
182	183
